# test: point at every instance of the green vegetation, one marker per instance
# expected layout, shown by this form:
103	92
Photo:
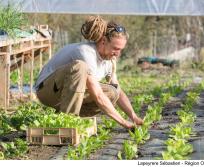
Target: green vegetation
178	147
15	75
129	149
1	155
146	90
35	115
89	145
11	18
13	149
140	134
62	120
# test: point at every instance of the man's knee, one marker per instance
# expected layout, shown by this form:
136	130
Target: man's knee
111	92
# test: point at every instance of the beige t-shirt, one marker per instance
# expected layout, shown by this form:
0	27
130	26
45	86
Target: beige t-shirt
86	52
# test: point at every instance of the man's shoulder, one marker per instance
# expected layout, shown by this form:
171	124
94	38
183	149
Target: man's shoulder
87	50
87	45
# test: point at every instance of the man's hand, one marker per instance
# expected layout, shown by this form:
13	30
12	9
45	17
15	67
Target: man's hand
130	125
138	121
125	105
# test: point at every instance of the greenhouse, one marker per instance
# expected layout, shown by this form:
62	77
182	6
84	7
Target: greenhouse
102	80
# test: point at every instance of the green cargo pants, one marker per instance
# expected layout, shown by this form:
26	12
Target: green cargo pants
65	90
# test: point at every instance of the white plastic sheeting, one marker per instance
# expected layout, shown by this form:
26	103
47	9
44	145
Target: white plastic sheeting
122	7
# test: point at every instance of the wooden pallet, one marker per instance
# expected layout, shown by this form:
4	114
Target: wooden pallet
58	136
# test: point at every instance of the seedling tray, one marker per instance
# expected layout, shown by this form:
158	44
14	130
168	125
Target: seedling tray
58	136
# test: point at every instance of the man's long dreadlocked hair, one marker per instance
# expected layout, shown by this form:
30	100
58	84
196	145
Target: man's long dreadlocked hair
95	28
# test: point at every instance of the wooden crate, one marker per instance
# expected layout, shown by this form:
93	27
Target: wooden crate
61	136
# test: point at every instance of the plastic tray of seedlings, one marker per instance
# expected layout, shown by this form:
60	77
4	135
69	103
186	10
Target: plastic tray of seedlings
59	136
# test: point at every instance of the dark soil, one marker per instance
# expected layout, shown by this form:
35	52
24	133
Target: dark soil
41	152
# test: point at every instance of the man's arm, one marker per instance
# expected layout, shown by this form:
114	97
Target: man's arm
104	103
124	103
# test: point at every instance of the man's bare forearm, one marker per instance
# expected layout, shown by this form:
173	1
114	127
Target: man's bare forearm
124	103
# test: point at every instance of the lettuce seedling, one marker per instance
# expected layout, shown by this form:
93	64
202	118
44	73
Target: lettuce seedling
1	155
148	120
140	134
119	155
179	146
164	98
186	117
180	131
155	112
172	156
191	99
130	150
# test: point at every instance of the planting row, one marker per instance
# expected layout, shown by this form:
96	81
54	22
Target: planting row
153	114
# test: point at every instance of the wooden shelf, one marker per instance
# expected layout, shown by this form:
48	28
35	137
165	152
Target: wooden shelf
3	53
14	54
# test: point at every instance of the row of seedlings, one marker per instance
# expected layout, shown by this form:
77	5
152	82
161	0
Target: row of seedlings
140	134
177	144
